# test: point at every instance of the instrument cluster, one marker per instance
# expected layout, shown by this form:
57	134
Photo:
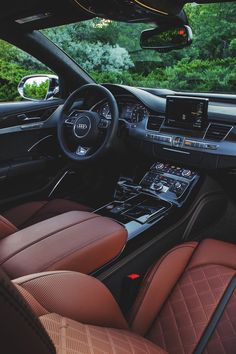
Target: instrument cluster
131	111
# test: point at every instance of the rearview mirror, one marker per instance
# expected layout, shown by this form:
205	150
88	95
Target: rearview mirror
38	87
166	39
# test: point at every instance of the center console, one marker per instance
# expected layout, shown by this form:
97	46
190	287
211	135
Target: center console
140	205
169	182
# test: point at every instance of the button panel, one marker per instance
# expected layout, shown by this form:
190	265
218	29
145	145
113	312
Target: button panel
200	145
180	142
166	178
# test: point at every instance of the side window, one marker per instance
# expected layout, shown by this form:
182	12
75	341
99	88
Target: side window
24	77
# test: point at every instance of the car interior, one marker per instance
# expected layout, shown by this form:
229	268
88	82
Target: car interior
118	203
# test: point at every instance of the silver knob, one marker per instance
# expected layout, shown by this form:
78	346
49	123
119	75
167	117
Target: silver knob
186	173
178	185
158	186
160	166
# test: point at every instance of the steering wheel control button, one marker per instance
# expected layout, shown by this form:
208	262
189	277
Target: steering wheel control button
103	124
82	126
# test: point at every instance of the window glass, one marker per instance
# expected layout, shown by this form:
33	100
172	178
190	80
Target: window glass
14	65
110	52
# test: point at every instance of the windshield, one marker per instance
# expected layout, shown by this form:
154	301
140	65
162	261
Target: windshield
110	52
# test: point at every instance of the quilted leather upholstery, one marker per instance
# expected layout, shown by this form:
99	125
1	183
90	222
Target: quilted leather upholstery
186	313
187	300
71	337
223	339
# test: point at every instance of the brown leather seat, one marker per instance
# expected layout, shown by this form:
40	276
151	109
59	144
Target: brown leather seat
33	212
186	304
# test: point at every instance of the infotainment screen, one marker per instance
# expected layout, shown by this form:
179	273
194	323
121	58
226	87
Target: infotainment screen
186	112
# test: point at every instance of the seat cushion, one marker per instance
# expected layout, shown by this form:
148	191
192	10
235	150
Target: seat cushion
184	307
71	295
31	213
71	337
64	303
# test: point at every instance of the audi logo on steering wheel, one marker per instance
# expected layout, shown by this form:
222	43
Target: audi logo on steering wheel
82	126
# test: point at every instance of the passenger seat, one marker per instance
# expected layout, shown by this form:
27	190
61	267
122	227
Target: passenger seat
186	304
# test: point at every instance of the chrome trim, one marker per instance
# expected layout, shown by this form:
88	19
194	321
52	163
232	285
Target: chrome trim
223	125
206	131
152	115
58	182
228	132
178	151
82	151
39	141
74	127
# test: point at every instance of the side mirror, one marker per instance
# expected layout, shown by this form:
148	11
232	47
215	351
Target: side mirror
166	39
39	87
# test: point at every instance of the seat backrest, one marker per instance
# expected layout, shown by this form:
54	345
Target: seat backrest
21	331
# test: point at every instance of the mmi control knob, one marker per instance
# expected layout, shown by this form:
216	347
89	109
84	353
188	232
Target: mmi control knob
186	173
157	186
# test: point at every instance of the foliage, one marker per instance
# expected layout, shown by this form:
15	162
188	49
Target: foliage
10	77
36	91
110	51
216	75
90	48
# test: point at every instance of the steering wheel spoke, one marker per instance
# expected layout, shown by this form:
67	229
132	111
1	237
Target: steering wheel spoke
70	121
82	151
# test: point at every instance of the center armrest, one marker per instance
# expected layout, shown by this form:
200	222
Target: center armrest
78	241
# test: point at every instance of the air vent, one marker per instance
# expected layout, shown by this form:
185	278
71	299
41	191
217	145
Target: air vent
217	132
155	123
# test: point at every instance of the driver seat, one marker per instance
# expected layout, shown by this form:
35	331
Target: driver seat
28	214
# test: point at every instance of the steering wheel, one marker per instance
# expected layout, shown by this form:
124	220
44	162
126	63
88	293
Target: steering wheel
92	133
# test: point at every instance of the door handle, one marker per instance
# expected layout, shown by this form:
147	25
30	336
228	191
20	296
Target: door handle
24	118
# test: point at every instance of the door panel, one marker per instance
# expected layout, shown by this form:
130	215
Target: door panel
30	157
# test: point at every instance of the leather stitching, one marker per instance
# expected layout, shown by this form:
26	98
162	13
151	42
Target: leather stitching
148	279
71	252
46	236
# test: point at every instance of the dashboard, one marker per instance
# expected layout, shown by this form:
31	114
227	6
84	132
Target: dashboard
194	130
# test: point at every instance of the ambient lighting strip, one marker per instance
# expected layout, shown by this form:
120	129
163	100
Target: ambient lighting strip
135	2
149	7
84	8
